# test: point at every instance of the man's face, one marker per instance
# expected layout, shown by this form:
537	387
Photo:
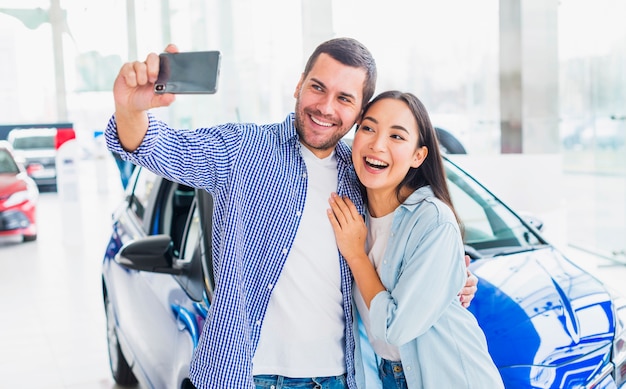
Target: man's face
328	103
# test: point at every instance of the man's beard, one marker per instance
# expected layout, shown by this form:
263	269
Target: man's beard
324	145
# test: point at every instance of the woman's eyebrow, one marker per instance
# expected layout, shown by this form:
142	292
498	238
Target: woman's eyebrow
395	126
371	119
399	127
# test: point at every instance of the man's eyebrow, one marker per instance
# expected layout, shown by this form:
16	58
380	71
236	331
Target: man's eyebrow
344	94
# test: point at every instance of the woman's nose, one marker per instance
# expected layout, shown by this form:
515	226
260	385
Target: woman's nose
377	143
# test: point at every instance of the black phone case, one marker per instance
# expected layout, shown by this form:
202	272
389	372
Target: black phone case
188	72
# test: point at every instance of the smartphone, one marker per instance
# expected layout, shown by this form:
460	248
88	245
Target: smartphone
194	72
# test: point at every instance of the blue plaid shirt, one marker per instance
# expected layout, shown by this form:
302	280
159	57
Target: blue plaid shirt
258	179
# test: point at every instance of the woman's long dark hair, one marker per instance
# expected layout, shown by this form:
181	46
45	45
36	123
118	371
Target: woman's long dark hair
431	171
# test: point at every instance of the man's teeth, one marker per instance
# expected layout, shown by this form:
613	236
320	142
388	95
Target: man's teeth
376	163
321	123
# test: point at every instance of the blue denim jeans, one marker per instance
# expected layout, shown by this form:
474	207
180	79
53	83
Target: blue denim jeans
391	374
280	382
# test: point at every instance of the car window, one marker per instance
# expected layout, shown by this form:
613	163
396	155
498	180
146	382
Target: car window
34	142
475	222
143	187
487	223
176	214
7	164
192	235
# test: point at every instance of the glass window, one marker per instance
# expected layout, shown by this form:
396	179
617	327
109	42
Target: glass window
592	104
7	164
34	143
192	236
488	224
178	207
143	187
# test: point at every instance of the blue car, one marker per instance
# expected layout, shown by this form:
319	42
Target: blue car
548	323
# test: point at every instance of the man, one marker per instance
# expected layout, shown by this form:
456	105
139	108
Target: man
282	293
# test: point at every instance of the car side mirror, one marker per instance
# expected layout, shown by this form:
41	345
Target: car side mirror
472	252
533	221
152	253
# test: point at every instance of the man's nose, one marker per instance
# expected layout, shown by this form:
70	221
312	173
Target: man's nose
326	105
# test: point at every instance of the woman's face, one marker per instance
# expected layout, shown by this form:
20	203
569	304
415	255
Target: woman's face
385	146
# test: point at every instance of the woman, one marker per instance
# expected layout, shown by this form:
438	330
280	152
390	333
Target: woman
407	257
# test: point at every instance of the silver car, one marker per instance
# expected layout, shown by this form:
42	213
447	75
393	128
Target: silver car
37	149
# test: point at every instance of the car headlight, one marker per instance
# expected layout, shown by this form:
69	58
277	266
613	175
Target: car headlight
618	356
17	198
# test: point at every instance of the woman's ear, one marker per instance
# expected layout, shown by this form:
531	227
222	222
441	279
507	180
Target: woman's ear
420	155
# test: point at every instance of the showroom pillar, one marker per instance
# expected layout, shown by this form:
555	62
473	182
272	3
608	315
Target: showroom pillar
529	109
317	24
58	22
529	117
131	30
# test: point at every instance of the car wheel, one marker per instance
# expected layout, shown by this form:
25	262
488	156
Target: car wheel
449	143
29	238
121	371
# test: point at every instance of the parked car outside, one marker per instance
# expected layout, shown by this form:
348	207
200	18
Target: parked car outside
18	198
548	323
38	147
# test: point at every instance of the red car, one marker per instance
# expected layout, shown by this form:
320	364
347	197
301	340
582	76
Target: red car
18	197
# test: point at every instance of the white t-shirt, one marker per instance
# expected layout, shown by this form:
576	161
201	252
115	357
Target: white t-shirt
303	329
377	239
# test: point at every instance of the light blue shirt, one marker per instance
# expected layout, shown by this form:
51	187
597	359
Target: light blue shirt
258	180
423	270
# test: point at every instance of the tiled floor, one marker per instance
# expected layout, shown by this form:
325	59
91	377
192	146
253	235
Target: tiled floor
52	331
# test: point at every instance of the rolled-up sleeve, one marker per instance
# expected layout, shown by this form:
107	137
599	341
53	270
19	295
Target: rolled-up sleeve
200	158
147	145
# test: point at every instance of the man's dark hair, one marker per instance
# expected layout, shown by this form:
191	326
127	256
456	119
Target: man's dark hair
352	53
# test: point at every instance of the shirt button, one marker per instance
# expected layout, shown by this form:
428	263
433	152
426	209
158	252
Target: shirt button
385	261
284	251
298	213
407	368
303	175
270	286
273	387
258	322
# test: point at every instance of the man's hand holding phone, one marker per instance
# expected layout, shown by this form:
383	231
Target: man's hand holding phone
153	83
133	92
133	89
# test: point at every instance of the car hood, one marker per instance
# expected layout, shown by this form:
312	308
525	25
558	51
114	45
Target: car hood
539	309
10	183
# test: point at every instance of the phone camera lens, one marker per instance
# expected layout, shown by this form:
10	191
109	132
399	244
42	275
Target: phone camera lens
159	87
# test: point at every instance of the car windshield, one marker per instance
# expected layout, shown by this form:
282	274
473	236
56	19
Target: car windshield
7	164
34	142
489	226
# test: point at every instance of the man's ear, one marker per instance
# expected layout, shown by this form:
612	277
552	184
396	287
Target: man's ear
296	92
420	155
